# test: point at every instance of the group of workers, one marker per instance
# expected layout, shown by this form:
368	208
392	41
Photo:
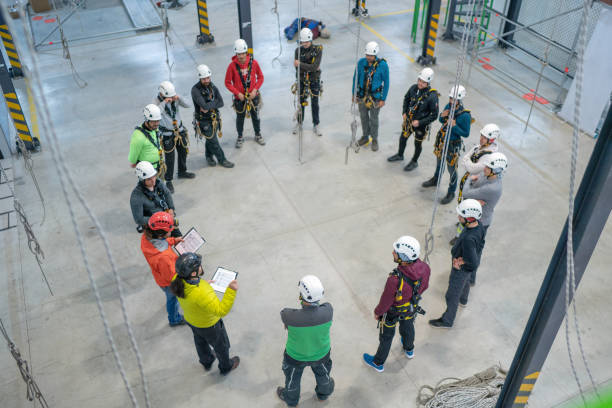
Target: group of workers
162	133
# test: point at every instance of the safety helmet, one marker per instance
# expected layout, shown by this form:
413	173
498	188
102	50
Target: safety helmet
240	46
460	92
305	35
187	263
372	48
204	71
426	75
161	220
151	112
166	89
311	289
496	161
491	131
470	209
407	248
145	170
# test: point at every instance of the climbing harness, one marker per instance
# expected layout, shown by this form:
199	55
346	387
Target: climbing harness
248	104
365	93
407	128
161	169
306	82
478	153
411	308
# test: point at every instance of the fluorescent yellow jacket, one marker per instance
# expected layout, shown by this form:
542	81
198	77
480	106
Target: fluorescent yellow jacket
201	306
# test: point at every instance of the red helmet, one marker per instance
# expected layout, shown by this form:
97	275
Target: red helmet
161	221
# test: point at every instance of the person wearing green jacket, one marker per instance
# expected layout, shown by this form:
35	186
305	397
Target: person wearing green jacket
308	343
145	143
203	312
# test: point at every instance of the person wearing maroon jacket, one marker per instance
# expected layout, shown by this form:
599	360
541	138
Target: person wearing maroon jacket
243	79
400	301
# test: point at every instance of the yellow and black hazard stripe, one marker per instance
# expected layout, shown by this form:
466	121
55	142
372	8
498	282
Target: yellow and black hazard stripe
23	131
433	34
525	390
203	17
9	45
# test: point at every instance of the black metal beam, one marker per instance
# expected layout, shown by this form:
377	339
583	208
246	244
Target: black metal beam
245	23
592	208
514	8
430	34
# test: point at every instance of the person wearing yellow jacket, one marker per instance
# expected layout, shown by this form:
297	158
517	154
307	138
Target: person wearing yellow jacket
203	312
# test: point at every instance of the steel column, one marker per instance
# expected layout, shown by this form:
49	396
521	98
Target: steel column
448	34
11	50
591	211
205	36
514	8
430	34
245	24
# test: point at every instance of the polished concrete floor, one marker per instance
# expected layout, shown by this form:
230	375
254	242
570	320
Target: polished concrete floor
275	219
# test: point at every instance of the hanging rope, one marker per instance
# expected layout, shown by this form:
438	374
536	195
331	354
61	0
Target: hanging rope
60	163
81	83
298	94
274	10
167	41
32	390
570	277
354	104
429	238
29	166
33	243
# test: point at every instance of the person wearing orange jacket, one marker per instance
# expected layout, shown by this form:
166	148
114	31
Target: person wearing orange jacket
243	79
156	245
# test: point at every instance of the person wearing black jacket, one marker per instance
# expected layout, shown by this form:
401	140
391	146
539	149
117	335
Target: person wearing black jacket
420	109
466	258
150	196
206	103
310	76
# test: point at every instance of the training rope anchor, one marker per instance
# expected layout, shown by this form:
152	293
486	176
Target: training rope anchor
353	145
81	83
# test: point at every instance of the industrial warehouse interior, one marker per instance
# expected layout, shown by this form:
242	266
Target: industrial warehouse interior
328	200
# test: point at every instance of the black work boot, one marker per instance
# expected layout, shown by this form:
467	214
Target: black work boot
374	145
431	182
363	141
211	162
395	157
170	186
448	198
411	166
227	164
186	175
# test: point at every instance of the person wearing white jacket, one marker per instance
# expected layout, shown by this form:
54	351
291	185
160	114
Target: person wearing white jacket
472	161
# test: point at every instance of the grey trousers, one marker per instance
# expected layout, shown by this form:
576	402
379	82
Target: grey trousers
458	291
369	121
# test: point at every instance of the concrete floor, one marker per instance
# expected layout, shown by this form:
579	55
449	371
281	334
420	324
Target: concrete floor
274	220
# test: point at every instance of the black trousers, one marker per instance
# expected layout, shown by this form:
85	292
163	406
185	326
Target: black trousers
419	136
177	148
240	106
212	148
473	275
458	291
215	337
406	330
293	370
315	89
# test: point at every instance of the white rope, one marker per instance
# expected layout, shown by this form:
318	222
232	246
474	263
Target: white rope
570	278
59	161
167	40
298	94
429	238
29	166
274	10
354	106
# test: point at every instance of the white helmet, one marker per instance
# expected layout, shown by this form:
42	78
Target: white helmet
496	161
470	208
305	35
311	289
204	71
151	112
166	89
240	46
491	131
426	75
460	92
407	248
372	48
145	170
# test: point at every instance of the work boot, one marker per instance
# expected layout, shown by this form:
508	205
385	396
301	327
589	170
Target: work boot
411	166
227	164
170	186
374	145
431	182
440	324
239	142
235	363
448	198
211	162
187	175
363	141
259	139
207	367
395	157
280	392
316	131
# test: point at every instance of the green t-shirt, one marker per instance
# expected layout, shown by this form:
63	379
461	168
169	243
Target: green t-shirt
308	331
141	149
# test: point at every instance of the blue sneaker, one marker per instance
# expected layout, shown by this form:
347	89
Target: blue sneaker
409	353
369	360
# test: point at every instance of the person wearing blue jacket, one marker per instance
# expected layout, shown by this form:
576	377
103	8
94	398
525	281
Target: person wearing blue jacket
370	89
460	128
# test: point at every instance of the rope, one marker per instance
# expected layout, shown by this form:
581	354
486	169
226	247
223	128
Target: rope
478	391
280	43
298	102
32	390
570	278
429	238
29	165
81	83
354	124
33	243
167	40
60	163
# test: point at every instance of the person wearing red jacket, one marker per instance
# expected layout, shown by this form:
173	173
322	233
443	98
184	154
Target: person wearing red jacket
243	79
400	301
156	245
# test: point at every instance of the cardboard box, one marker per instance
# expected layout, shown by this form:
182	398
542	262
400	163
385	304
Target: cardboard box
40	6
